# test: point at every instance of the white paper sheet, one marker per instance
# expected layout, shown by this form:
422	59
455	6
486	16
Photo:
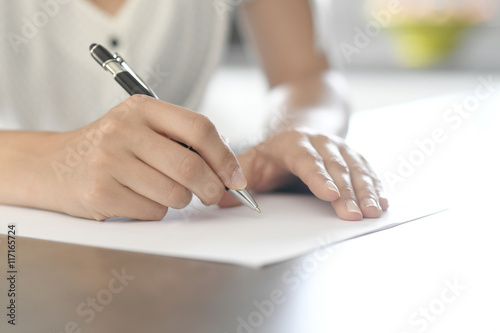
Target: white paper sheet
290	225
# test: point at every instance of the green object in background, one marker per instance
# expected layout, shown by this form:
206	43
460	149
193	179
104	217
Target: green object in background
425	44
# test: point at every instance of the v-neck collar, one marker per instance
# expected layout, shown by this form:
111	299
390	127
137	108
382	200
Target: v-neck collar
100	14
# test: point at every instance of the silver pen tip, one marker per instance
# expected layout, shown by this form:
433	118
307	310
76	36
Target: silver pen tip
258	209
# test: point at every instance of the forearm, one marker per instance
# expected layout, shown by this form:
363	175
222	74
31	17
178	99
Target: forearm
318	102
23	167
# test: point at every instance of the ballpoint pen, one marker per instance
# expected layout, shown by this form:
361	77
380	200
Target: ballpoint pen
133	84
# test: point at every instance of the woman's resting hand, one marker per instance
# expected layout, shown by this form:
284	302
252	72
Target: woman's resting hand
332	171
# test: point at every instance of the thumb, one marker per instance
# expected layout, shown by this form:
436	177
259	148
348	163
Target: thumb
246	160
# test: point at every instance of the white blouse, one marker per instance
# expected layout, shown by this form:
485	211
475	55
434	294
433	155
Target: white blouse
49	81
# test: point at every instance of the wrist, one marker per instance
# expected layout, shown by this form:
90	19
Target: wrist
325	121
25	170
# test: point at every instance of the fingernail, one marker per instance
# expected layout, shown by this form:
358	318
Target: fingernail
384	200
238	179
370	202
331	186
352	207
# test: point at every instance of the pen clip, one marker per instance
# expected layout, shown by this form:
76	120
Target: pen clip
124	64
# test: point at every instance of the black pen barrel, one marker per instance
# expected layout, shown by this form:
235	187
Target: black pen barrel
130	84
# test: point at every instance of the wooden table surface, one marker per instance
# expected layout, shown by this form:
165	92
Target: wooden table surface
377	283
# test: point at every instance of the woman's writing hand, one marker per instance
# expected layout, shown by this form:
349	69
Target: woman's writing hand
129	164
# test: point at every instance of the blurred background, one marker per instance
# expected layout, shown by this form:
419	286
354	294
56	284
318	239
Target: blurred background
390	51
437	34
372	34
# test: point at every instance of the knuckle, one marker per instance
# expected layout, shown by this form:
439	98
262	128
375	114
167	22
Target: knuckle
295	134
228	162
116	126
366	181
135	102
202	126
304	151
212	193
191	167
94	194
337	164
322	139
366	190
372	175
368	195
304	160
378	185
359	169
97	161
132	106
346	191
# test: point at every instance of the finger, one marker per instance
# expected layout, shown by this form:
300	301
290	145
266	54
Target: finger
120	201
262	173
300	157
246	160
347	205
196	131
364	188
228	200
152	184
382	198
180	164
